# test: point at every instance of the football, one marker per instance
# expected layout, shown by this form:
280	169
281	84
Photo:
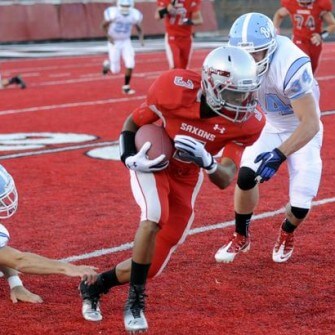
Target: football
159	139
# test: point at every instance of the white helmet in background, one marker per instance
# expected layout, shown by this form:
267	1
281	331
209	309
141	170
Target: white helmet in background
255	32
229	80
8	194
125	6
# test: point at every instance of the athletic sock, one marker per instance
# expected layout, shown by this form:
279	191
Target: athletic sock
242	222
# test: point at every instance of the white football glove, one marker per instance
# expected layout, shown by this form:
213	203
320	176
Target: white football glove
140	161
191	150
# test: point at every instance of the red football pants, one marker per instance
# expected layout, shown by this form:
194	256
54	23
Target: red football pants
178	51
311	50
169	200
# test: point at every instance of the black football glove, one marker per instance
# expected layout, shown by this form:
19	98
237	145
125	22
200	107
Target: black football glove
271	162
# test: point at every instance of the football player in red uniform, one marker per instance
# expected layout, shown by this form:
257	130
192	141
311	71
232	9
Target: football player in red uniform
202	115
179	18
307	18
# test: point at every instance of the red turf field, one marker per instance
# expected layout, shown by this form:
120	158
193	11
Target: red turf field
77	207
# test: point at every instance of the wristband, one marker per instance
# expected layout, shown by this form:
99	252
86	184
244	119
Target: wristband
14	281
280	154
162	12
127	145
213	167
324	35
188	22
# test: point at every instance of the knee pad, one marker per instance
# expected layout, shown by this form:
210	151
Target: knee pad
299	213
246	178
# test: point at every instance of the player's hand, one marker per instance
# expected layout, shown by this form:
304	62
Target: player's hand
316	39
140	161
270	163
191	150
172	10
85	272
187	22
20	293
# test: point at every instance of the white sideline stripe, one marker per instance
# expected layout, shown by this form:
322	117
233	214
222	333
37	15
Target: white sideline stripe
71	105
129	245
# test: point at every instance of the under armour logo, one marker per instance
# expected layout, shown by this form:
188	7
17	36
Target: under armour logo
217	127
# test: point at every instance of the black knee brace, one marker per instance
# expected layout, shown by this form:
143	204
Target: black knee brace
299	213
246	178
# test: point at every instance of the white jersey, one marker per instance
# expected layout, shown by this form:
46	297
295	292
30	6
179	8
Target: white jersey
289	77
4	236
121	25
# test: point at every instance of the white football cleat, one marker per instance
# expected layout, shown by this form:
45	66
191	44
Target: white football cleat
91	310
283	248
127	90
238	243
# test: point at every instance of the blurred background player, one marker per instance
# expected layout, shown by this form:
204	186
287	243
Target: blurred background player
307	17
13	261
17	80
179	18
289	94
201	114
117	24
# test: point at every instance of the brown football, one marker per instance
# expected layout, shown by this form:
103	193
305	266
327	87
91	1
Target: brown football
159	139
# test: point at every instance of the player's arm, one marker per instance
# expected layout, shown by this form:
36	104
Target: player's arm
17	290
133	159
279	16
140	33
35	264
305	110
220	173
197	18
328	19
104	26
165	8
224	174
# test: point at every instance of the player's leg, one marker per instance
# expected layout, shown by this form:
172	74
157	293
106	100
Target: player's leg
315	52
128	56
114	58
304	185
172	52
185	47
246	197
182	197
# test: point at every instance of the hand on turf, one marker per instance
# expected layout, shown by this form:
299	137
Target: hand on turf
20	293
270	163
191	150
140	161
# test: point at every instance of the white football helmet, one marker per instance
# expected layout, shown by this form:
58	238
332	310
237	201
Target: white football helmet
8	194
125	6
229	80
255	32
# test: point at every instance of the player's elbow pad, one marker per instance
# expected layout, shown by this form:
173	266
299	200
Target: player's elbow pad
127	145
246	179
162	12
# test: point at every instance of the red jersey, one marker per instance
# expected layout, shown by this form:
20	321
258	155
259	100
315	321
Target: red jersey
307	19
175	97
184	9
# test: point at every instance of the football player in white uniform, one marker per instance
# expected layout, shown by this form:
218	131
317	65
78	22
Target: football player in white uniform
13	261
289	95
117	24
